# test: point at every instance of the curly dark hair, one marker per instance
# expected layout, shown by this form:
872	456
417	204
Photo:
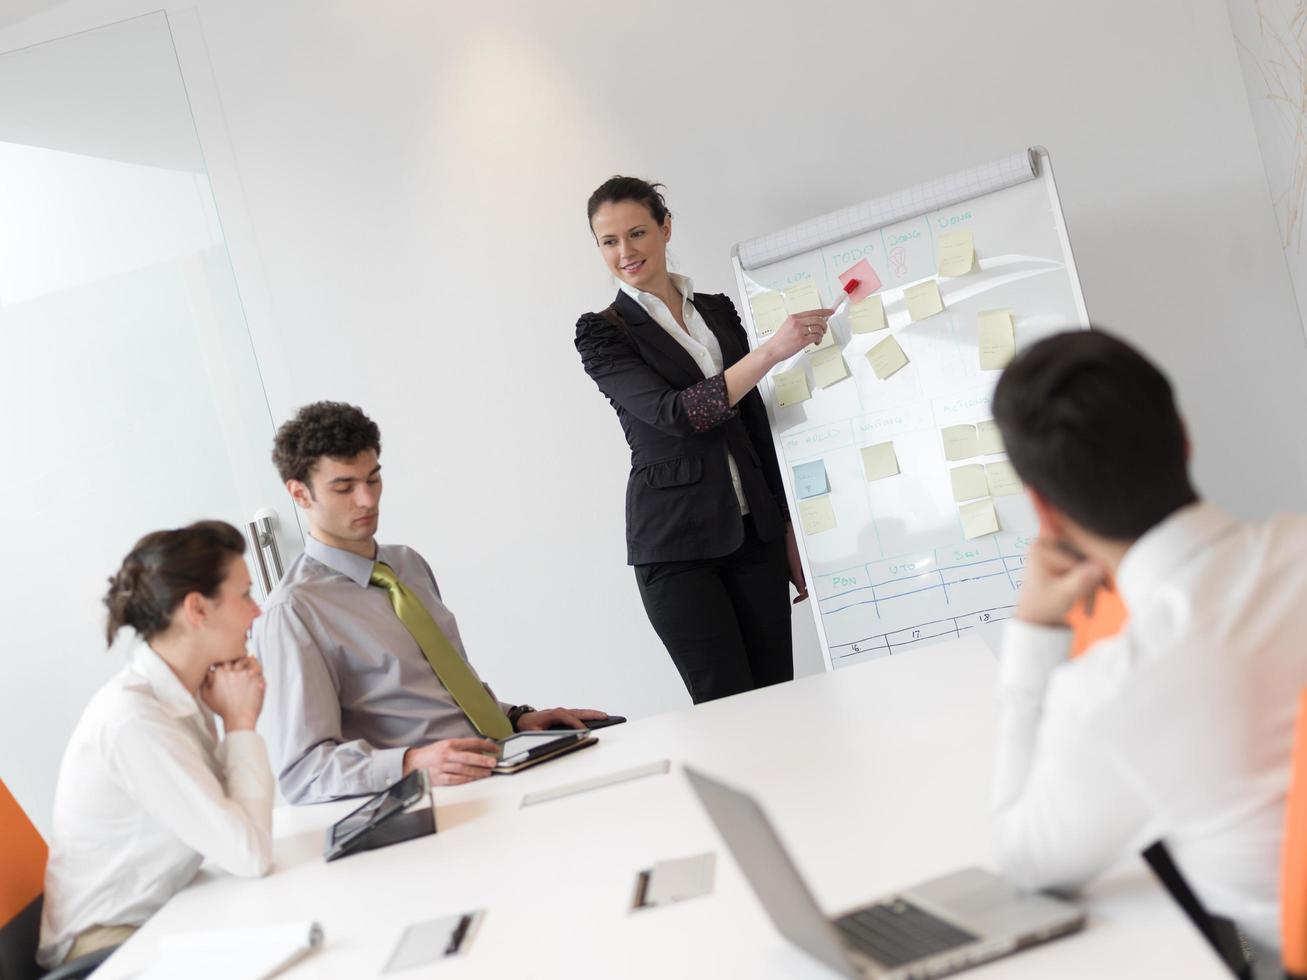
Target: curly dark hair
332	429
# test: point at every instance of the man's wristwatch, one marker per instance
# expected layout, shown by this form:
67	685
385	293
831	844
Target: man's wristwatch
516	712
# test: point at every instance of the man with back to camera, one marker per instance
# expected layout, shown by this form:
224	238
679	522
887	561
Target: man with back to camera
1181	726
356	701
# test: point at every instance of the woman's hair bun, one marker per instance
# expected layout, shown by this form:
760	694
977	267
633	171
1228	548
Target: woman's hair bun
163	568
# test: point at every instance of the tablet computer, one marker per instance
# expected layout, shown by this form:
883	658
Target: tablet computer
523	749
592	724
371	825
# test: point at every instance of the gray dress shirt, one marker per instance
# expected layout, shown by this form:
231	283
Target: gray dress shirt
349	689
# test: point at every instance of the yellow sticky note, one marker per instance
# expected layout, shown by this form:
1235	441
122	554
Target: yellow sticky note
880	461
924	300
997	339
1002	479
978	518
791	387
816	514
991	440
968	482
957	253
867	316
768	312
887	357
802	298
828	366
960	442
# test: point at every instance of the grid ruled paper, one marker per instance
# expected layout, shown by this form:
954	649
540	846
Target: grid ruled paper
870	215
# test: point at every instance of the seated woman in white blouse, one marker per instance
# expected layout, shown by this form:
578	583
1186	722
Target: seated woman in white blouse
147	790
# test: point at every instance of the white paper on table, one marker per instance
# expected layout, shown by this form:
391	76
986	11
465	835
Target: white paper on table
234	954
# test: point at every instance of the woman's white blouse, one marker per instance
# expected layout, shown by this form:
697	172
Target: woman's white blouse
147	792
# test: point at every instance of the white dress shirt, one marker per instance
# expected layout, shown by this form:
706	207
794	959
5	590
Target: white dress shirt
698	340
146	793
1180	728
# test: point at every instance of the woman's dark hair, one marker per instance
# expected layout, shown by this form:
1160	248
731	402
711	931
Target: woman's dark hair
163	568
618	188
332	429
1091	425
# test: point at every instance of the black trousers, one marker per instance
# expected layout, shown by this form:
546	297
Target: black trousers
725	621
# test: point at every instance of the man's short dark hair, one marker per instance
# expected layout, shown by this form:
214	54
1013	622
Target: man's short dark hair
332	429
1091	425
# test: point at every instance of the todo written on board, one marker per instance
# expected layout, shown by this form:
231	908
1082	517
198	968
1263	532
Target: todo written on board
912	524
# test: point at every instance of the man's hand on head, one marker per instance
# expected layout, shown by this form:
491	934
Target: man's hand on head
539	721
1056	578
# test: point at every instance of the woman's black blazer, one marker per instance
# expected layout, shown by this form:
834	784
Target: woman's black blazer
680	503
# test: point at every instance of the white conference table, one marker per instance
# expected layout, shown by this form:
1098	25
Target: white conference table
875	776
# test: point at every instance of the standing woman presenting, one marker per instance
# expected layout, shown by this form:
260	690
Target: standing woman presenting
707	527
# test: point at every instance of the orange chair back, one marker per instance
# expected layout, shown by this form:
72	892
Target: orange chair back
1107	619
22	858
1293	870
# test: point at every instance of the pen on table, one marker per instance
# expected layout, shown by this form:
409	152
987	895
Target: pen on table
457	936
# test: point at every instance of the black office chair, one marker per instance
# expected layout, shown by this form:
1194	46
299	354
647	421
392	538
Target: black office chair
1219	931
18	942
22	876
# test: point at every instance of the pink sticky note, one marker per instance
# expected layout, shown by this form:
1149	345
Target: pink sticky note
868	281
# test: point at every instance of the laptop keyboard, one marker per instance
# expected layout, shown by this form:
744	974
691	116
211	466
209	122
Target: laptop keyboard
897	932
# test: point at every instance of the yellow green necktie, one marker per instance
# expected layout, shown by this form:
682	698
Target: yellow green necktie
452	669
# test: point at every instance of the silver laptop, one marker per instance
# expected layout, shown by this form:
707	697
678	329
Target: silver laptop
935	928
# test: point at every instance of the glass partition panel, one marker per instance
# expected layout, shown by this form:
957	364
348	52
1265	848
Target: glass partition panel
129	388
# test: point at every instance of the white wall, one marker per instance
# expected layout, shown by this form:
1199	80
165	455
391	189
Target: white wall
1273	55
403	188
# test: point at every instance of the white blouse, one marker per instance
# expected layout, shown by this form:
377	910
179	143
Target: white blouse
146	794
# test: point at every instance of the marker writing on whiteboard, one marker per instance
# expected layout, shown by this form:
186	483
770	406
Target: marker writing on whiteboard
848	289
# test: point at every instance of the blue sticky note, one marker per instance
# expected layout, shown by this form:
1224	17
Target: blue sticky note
810	480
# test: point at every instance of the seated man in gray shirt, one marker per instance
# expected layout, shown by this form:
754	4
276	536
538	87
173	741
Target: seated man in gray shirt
353	636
